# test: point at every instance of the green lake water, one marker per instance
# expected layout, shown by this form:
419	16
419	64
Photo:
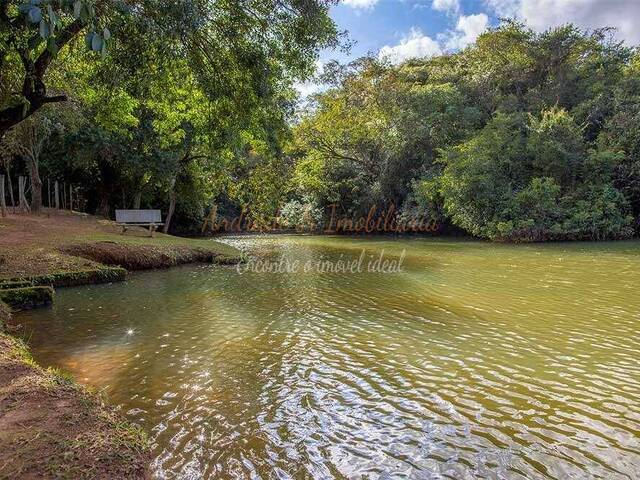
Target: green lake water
474	361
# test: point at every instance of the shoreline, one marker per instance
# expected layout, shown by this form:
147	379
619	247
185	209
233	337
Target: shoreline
51	426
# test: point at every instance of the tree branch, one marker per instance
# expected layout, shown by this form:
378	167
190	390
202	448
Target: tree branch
65	36
33	87
55	99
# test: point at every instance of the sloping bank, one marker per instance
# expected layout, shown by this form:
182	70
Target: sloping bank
50	427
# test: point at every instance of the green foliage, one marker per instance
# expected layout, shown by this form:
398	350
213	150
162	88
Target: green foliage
304	216
556	146
525	179
26	298
520	137
597	212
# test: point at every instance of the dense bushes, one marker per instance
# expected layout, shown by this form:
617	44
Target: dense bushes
532	179
520	137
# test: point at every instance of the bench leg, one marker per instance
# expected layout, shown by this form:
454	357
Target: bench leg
151	229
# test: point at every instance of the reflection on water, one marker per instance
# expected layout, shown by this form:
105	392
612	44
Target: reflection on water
477	361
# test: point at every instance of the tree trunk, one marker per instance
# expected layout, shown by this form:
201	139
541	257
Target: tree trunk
24	205
36	186
104	209
56	196
33	87
172	209
172	205
36	196
3	205
137	199
10	183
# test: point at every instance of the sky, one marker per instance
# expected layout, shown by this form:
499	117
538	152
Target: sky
402	29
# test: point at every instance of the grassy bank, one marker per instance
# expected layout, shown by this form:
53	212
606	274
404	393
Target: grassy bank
50	426
63	243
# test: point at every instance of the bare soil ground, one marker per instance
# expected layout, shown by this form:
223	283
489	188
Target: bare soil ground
52	428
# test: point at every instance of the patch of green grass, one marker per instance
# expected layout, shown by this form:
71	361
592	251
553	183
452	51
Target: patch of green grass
25	298
18	350
163	240
60	377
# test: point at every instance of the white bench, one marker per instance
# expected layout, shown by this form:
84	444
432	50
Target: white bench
139	218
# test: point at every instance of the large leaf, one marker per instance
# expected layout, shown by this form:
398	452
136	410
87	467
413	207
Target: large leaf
35	14
96	42
89	40
53	18
52	46
45	31
77	9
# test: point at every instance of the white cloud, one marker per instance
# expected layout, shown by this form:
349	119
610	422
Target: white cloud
414	45
307	88
449	6
467	30
586	14
361	4
504	8
311	86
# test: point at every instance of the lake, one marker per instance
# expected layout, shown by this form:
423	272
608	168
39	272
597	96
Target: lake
461	359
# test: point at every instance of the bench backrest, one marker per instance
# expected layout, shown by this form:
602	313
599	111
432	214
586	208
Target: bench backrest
138	216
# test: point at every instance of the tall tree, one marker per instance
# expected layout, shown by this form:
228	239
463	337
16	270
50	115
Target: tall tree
235	48
27	140
33	31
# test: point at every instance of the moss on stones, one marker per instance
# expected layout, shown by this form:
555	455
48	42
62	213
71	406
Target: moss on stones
15	284
26	298
73	279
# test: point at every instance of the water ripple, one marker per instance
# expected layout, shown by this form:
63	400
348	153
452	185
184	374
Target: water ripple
478	361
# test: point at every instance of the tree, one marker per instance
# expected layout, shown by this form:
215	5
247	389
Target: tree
27	140
33	33
6	157
522	136
375	131
236	49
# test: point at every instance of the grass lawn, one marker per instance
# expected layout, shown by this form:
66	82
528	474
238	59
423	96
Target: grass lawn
65	242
